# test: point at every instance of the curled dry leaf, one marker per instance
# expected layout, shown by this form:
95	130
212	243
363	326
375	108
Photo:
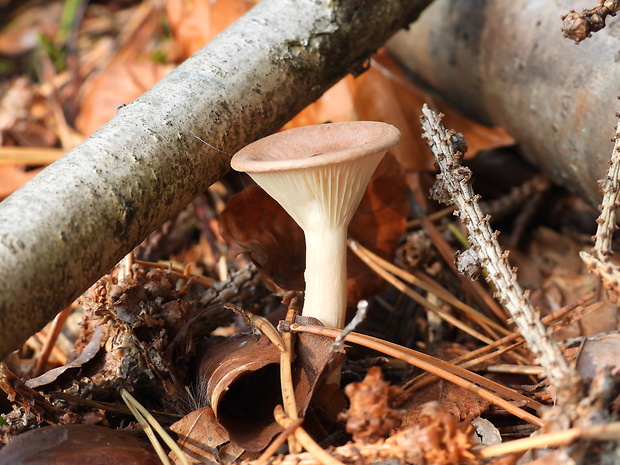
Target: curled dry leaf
371	415
241	382
77	445
240	378
87	354
200	437
256	224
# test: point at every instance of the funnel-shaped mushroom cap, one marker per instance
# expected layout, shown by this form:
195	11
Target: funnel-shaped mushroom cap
318	173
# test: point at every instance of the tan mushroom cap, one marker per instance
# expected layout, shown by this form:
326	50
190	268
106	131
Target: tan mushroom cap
317	145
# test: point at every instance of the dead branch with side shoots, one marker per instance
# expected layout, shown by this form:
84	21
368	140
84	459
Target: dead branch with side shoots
453	186
598	259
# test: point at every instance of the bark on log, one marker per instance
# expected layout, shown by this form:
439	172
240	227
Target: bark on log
507	63
80	216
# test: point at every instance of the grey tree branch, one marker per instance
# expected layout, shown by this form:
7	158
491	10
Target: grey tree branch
73	222
453	186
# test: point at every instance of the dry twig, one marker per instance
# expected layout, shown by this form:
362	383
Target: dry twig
597	260
453	186
580	26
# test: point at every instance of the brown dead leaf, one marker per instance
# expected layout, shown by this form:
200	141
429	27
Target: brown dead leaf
597	355
21	34
564	280
378	225
254	223
200	437
454	400
241	379
384	93
335	105
26	118
13	177
194	23
87	354
119	84
77	445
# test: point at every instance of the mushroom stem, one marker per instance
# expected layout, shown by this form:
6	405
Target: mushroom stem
326	276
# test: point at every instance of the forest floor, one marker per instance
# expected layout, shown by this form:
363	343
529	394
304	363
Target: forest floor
185	336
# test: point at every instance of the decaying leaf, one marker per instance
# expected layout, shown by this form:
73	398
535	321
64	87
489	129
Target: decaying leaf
240	379
119	84
87	354
200	437
196	22
240	375
77	445
384	93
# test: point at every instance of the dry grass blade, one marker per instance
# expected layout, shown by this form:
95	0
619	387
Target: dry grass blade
426	284
149	423
285	435
304	438
203	281
417	297
477	356
30	156
605	432
445	370
286	374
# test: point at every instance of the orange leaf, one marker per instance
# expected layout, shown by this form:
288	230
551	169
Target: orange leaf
384	93
195	22
118	84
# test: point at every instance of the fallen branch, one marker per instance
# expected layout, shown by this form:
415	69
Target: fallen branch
453	186
580	26
80	216
598	260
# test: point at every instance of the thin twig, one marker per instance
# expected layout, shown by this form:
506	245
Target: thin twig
453	186
201	280
50	341
286	374
597	260
418	297
459	376
280	439
604	432
304	438
579	26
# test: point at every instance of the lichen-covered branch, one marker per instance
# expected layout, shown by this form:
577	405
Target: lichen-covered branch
80	216
453	186
597	260
580	26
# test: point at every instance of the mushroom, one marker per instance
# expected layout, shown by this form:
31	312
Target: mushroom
319	174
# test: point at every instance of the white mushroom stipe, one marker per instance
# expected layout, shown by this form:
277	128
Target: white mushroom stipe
319	174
